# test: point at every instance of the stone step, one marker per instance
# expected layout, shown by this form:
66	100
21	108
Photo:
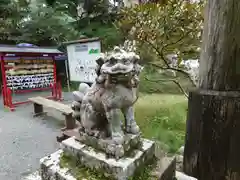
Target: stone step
166	167
131	142
119	169
50	168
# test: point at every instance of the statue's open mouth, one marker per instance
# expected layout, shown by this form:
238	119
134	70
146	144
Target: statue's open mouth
120	78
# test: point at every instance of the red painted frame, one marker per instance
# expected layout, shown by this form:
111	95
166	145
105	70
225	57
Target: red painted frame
7	92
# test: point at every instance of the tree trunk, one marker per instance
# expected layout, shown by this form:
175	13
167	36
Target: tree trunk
213	126
219	63
213	133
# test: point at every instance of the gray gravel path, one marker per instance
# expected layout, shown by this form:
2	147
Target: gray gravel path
24	140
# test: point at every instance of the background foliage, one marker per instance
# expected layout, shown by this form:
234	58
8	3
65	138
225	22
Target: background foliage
159	29
35	22
173	27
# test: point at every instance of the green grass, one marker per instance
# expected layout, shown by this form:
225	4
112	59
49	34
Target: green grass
162	117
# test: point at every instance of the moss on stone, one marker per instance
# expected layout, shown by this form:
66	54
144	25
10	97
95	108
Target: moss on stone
80	172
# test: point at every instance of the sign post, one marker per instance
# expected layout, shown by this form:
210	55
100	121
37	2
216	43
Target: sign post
82	56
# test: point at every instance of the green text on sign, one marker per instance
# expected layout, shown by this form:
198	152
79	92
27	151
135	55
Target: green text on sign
93	51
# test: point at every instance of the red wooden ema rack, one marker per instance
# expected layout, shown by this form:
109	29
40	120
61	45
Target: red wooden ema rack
28	69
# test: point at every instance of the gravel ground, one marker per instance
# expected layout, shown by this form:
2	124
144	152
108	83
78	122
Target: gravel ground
24	139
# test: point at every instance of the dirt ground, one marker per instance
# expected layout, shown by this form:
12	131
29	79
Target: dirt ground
24	139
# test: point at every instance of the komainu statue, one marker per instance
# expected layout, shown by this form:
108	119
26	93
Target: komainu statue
111	97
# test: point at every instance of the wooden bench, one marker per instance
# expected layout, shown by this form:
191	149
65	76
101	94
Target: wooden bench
39	102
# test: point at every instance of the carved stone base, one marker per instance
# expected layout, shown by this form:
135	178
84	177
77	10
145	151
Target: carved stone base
119	169
107	146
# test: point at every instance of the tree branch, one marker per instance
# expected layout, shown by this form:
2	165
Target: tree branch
173	80
174	69
160	53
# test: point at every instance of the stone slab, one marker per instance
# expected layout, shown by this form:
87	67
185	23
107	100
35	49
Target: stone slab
179	162
120	169
167	168
51	170
131	142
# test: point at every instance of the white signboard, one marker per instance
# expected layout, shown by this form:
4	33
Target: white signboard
82	61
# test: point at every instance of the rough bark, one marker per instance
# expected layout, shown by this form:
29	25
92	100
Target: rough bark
219	61
213	132
213	127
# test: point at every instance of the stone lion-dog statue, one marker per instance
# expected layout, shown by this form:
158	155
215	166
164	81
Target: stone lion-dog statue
110	97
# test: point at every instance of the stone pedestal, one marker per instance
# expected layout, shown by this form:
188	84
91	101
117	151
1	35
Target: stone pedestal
119	169
131	143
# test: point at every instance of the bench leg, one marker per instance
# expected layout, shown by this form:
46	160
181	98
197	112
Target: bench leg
38	109
61	138
70	122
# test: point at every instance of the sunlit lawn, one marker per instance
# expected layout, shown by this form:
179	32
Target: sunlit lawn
162	117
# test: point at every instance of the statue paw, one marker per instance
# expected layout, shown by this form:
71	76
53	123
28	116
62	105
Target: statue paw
133	129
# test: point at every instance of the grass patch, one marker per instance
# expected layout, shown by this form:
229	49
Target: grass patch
162	117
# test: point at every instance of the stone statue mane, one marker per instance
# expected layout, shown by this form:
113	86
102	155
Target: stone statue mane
118	62
112	94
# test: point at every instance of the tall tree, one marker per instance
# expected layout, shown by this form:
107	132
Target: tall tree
12	14
47	26
212	139
94	18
